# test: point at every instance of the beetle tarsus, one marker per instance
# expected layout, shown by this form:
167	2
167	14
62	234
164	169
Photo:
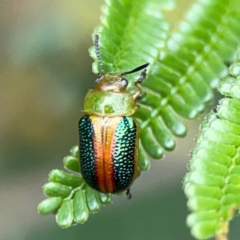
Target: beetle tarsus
128	194
137	83
141	96
142	76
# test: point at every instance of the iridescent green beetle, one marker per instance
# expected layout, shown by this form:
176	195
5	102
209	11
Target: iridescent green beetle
108	135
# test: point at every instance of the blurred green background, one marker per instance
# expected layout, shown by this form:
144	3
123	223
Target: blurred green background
45	73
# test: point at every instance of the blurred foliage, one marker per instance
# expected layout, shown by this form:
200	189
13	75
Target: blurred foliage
213	182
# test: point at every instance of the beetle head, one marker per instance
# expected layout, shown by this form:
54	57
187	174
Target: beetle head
111	82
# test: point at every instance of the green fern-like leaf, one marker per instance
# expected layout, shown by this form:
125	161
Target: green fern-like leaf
69	196
184	66
213	182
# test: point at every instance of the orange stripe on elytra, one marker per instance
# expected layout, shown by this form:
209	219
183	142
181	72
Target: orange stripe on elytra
104	145
109	130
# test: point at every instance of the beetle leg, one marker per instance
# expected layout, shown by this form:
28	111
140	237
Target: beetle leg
136	107
138	172
137	83
128	194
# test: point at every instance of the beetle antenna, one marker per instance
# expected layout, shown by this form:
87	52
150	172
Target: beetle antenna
136	69
96	44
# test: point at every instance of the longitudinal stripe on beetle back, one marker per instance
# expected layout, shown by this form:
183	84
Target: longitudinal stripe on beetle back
104	168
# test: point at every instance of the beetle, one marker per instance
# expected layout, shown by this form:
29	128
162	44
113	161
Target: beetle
108	134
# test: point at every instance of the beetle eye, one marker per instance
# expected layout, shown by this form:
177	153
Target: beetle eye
124	82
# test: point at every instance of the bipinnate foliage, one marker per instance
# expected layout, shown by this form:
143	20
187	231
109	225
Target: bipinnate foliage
184	67
69	196
213	182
